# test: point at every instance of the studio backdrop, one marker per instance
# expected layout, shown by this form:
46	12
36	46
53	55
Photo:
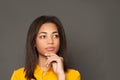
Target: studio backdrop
92	30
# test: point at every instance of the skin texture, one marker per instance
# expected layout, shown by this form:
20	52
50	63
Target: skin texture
47	44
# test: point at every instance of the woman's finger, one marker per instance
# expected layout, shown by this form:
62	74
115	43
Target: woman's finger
56	59
50	54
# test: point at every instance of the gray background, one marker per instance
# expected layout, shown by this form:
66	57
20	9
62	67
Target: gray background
92	30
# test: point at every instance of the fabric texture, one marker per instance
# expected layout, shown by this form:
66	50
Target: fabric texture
71	74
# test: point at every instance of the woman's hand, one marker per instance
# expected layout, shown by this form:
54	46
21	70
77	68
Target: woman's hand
57	64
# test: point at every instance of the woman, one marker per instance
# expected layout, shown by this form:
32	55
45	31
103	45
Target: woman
45	52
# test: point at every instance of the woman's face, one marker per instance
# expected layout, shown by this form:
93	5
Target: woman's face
47	40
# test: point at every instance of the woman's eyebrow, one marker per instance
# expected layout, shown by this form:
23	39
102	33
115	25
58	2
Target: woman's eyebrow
46	32
42	33
55	32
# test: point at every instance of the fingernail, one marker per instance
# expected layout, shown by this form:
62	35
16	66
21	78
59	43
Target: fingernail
45	54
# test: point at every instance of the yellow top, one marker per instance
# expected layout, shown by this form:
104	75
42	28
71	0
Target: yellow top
71	74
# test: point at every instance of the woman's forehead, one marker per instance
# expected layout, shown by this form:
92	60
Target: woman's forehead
48	28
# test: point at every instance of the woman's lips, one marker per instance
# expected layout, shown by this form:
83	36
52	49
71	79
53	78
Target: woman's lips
50	48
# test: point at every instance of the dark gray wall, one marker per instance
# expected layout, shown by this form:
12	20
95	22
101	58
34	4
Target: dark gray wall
92	29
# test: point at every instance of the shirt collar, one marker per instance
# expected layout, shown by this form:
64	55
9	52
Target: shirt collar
39	69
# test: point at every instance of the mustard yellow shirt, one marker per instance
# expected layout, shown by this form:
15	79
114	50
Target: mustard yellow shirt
71	74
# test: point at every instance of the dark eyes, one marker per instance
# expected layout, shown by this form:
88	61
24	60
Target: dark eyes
42	36
54	36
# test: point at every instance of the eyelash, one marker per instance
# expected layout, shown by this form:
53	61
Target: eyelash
54	36
42	36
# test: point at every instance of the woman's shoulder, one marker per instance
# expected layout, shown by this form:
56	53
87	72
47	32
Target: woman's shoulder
18	74
73	74
72	71
19	70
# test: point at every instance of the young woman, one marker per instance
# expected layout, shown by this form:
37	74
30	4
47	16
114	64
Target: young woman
45	52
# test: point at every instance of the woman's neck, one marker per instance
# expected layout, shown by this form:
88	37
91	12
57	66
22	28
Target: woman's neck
42	63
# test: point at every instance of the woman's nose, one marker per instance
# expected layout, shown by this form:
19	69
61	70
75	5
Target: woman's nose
50	40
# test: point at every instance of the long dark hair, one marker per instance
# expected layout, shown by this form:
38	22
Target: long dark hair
31	51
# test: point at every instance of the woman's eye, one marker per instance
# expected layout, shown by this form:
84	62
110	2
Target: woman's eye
42	36
56	36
